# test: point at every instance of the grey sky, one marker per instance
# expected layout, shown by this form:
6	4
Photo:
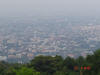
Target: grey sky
49	7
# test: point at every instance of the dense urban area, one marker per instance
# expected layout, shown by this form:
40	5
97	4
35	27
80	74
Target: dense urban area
21	39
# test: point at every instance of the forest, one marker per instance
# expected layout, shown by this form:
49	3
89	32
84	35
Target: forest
48	65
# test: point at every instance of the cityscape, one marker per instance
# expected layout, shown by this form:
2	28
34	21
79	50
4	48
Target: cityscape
21	39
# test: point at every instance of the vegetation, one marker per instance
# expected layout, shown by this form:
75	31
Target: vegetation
48	65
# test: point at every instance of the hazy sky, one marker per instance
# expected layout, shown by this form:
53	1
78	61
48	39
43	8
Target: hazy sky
49	7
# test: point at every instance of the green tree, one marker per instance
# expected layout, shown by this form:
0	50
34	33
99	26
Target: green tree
47	64
26	71
10	71
96	63
3	66
69	63
60	73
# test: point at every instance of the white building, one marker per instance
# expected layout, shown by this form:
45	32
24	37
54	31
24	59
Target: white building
3	58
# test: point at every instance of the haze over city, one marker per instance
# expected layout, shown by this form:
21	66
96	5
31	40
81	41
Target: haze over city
29	28
49	7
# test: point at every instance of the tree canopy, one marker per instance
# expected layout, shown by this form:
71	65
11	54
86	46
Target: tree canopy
48	65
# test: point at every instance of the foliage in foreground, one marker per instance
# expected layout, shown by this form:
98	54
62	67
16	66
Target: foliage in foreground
48	65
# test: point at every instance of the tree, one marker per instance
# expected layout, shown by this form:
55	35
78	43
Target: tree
47	64
60	73
69	63
96	63
3	66
10	71
26	71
